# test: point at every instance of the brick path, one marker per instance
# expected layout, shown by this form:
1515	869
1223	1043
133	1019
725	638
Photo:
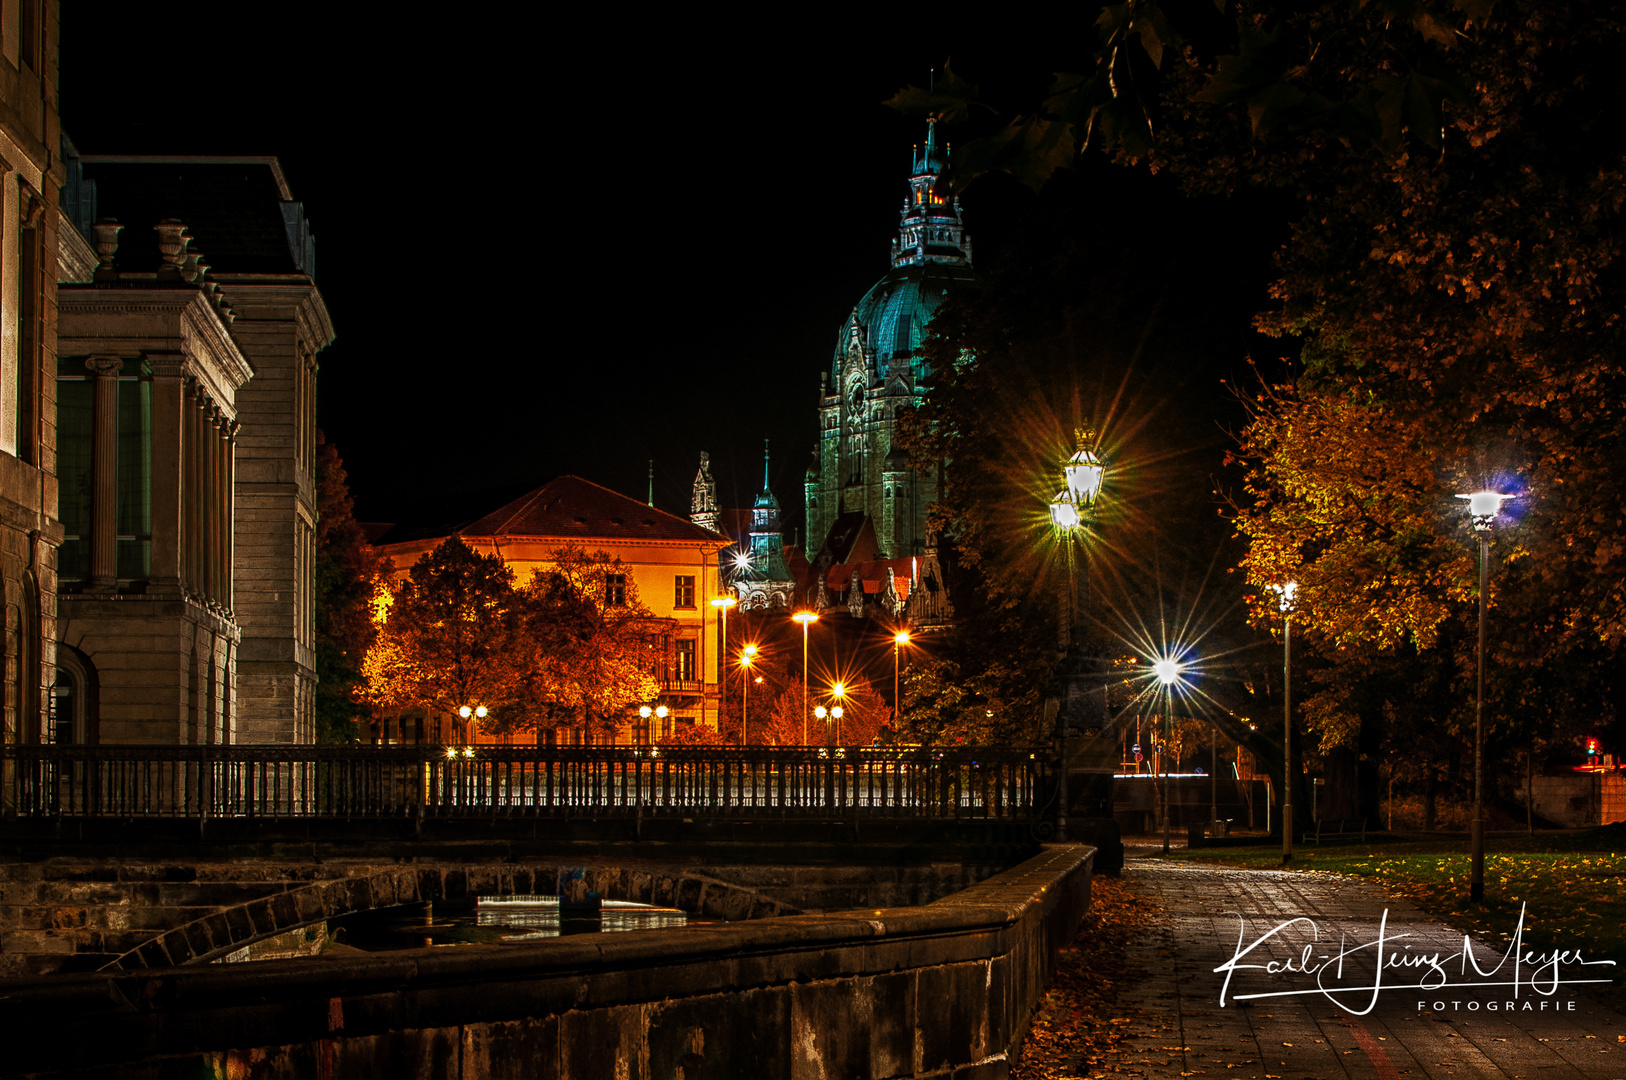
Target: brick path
1176	1027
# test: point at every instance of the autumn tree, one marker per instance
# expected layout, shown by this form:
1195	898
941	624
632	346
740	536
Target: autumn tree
453	636
1450	282
593	646
348	574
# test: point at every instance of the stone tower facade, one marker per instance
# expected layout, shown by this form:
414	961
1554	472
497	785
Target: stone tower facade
703	504
858	467
767	583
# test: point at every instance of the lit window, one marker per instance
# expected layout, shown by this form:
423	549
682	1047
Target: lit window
615	590
684	668
683	591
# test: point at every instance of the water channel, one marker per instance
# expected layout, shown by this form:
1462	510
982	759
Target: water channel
487	920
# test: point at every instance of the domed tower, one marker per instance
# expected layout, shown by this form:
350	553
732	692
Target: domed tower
766	583
875	372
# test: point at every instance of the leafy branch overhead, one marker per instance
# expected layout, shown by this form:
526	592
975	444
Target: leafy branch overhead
1369	75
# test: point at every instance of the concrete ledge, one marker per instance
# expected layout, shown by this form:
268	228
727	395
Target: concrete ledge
941	990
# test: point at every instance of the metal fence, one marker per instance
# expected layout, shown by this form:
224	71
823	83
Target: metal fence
289	782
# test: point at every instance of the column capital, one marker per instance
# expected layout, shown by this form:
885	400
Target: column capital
104	366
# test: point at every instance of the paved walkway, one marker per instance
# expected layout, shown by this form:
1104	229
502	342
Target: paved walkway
1176	1026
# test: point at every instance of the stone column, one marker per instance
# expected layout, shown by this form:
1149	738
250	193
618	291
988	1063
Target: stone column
192	519
210	446
228	534
104	474
168	465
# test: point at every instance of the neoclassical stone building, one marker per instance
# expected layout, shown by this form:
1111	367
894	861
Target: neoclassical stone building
859	472
185	404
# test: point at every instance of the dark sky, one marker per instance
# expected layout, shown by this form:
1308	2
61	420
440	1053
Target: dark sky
554	248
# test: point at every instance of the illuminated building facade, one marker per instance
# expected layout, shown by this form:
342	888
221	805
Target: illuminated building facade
859	469
29	219
671	566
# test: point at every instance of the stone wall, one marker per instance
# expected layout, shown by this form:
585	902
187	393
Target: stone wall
66	915
1580	800
944	990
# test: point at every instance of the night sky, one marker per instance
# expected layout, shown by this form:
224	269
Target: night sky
553	249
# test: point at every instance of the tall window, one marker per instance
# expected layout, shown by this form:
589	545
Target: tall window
615	590
28	350
683	592
684	670
75	427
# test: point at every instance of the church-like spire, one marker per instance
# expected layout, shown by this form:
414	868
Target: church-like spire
931	230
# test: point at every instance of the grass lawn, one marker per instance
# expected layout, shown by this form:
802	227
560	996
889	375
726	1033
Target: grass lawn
1573	884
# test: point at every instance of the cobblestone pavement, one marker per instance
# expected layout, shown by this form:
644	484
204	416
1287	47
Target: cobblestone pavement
1176	1026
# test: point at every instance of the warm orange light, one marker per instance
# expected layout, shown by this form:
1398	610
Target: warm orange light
805	617
724	602
902	637
838	689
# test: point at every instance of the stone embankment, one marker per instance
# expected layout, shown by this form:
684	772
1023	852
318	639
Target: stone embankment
941	990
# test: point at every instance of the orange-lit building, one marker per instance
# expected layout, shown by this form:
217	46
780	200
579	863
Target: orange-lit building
671	567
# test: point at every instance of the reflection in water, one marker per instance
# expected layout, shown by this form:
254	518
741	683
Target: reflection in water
493	920
542	917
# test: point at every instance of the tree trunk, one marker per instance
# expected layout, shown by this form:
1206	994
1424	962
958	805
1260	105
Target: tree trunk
1429	785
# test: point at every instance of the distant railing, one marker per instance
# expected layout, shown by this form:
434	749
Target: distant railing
241	781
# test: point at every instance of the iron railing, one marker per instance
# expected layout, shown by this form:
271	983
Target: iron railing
282	782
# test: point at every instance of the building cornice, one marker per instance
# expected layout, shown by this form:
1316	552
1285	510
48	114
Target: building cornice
297	290
97	320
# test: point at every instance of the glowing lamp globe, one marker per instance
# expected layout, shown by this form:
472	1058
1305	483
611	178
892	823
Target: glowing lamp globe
1084	472
1063	511
836	712
1483	506
644	711
660	712
1167	671
820	711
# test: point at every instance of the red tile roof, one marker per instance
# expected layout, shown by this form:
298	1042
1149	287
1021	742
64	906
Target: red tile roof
571	508
873	576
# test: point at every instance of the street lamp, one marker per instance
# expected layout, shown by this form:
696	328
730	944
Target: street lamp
1483	506
1286	593
899	640
644	711
1071	510
477	712
806	618
748	656
839	692
722	604
1168	673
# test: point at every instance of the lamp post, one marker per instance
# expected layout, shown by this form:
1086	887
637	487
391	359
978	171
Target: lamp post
1071	511
899	640
748	656
722	604
1285	594
806	618
832	734
1483	507
468	712
644	711
1168	673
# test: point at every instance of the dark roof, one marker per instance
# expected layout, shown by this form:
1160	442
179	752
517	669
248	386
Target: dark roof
851	539
571	507
238	211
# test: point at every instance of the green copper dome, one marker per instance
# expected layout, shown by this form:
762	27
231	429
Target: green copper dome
931	257
895	311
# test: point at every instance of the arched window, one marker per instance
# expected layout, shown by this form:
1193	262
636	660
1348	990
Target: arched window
73	698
